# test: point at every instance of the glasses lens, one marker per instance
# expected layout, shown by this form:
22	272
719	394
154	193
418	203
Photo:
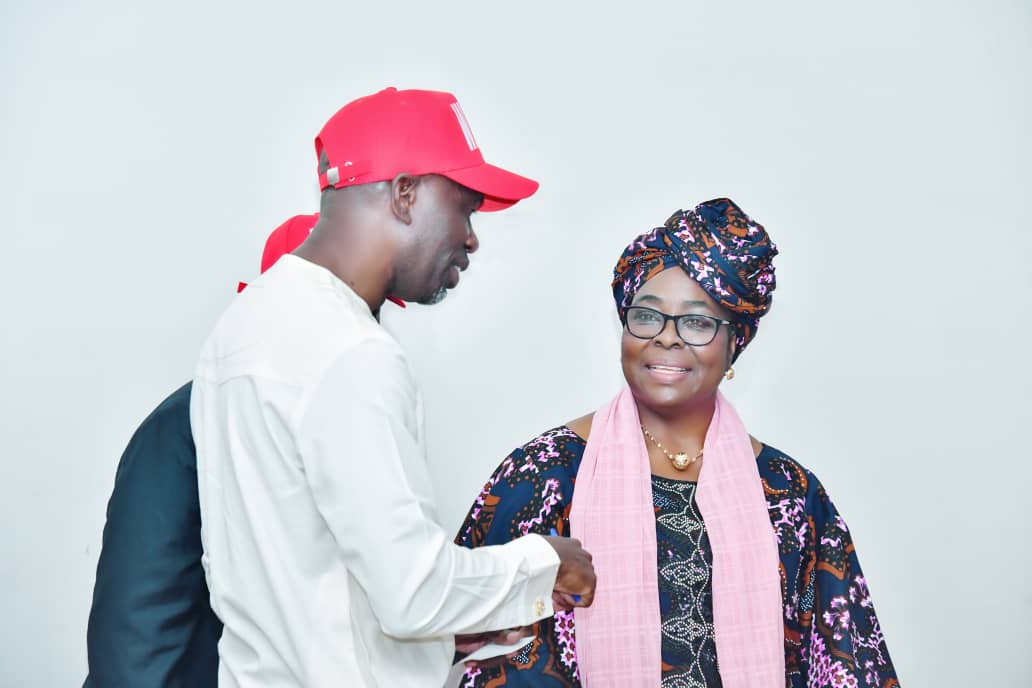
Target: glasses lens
644	322
697	330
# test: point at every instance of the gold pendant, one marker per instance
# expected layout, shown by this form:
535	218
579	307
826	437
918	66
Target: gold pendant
681	461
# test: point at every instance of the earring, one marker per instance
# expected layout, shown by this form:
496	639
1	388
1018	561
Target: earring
730	374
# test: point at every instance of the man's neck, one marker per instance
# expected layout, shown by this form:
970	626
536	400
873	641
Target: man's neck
361	264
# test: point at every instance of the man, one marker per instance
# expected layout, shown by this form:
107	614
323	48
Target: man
321	546
150	624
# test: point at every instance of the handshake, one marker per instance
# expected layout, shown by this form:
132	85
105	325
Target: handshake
575	581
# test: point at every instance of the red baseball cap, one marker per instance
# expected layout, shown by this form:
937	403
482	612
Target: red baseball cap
288	236
380	136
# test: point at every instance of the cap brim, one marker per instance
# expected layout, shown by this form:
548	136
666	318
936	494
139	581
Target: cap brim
501	188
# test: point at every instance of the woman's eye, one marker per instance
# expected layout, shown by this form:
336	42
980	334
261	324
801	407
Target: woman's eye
644	316
697	323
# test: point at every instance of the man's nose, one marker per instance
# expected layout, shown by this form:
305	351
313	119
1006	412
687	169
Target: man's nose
472	241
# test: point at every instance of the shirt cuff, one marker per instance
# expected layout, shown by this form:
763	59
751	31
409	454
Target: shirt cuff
543	567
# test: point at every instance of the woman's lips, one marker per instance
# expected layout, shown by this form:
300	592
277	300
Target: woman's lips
666	372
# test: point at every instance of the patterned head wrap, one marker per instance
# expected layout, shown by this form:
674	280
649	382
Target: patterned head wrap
720	247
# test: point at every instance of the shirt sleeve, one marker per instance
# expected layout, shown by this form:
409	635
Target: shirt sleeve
361	449
845	642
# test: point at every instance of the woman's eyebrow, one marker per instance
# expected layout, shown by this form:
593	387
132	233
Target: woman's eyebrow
690	303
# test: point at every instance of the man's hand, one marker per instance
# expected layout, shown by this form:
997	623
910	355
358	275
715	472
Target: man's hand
576	574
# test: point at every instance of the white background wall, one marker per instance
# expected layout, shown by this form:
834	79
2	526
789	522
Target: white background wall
148	148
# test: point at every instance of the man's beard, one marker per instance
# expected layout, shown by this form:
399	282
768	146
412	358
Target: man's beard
436	297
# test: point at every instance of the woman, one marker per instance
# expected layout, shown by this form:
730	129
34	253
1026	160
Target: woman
721	561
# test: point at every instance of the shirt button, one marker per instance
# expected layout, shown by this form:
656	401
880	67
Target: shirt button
539	608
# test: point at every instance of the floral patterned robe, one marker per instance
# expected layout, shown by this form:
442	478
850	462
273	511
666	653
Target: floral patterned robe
832	636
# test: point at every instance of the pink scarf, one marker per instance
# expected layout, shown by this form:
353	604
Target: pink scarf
618	637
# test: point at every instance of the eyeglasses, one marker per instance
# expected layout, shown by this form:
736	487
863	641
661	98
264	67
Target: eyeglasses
693	329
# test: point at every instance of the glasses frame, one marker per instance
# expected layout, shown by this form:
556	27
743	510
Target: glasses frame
667	317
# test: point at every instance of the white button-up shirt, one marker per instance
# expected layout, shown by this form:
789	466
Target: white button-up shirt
322	549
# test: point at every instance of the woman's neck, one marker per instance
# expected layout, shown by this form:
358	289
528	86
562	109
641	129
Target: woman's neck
680	430
687	423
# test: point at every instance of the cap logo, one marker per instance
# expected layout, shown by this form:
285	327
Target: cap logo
464	125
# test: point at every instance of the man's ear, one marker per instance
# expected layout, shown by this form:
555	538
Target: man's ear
403	196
